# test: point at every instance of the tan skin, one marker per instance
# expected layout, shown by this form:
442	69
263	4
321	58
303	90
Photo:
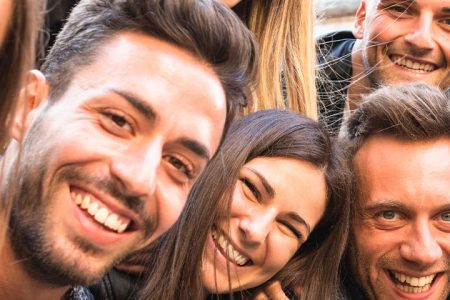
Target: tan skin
111	124
6	7
401	244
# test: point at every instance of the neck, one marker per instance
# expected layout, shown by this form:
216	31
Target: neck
360	84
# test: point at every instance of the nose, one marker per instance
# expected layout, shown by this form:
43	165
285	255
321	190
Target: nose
421	247
421	35
256	226
137	168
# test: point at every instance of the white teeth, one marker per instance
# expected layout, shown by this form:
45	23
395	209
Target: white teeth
100	214
122	228
415	66
112	222
231	253
86	202
413	284
78	199
93	208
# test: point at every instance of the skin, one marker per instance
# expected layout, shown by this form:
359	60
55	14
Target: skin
231	3
260	222
387	30
121	135
403	225
6	9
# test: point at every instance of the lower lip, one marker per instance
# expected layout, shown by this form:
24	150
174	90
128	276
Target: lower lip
95	232
416	296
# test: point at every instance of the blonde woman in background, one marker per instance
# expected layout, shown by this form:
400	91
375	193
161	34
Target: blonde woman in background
285	33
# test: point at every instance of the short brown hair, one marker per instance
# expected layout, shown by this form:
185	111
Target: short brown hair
205	28
409	112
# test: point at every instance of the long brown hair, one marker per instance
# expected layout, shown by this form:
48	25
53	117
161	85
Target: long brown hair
17	55
174	264
284	30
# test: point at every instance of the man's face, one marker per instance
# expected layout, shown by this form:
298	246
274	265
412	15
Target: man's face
401	236
405	40
109	165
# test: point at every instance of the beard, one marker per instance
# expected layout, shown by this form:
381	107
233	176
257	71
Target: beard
31	233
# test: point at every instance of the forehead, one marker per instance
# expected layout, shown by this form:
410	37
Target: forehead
443	5
415	173
183	90
291	180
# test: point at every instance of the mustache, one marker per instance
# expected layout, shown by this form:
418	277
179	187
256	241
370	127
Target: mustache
115	189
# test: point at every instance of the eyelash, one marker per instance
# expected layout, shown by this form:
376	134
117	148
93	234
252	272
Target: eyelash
297	234
117	120
189	169
251	187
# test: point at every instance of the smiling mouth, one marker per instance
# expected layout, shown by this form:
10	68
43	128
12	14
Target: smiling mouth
228	250
100	213
409	284
412	65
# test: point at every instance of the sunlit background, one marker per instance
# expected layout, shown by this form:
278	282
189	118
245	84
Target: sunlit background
335	15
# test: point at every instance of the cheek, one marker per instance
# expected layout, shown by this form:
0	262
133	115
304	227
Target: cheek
378	31
167	202
278	256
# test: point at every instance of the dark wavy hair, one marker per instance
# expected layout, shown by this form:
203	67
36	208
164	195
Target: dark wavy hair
174	261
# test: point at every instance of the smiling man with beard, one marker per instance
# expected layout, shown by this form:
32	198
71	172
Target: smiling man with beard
393	41
107	141
398	143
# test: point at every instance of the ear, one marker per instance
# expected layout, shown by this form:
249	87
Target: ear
360	20
32	95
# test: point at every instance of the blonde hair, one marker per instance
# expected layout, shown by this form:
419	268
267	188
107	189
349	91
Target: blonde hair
285	32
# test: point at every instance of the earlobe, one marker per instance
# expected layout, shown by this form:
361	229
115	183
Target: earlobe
32	95
358	30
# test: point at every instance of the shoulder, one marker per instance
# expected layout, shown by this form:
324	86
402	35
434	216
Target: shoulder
335	44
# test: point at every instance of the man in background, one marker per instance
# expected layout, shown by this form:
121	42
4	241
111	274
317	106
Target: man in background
392	42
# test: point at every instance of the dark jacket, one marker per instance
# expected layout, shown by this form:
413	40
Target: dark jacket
334	58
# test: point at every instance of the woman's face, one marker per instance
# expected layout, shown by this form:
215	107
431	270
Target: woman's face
276	204
231	3
5	16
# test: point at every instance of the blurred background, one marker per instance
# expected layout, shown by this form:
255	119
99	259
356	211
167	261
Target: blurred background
335	15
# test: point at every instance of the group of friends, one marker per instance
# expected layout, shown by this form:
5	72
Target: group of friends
202	149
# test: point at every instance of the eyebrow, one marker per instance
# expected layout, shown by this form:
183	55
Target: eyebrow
446	10
138	103
196	147
265	183
147	110
296	217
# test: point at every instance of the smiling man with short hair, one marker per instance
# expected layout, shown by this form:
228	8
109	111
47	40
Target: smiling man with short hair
398	143
393	41
132	103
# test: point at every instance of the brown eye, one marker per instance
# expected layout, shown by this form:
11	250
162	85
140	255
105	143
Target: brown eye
182	166
116	123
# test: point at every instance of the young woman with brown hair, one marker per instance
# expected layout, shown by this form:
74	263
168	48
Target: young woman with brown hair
285	33
269	206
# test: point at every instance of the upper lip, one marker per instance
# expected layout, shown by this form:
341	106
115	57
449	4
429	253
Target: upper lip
415	59
415	274
230	241
113	204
